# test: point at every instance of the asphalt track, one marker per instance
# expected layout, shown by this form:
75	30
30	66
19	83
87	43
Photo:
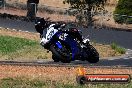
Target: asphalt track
124	61
122	38
114	62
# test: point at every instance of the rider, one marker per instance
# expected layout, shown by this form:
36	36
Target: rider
42	26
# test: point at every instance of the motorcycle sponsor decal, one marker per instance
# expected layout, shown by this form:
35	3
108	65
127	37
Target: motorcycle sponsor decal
50	32
50	35
108	78
63	36
59	45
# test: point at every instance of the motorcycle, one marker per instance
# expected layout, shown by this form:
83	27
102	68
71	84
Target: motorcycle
65	45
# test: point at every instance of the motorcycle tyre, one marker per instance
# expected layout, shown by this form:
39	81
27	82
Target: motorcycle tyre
54	57
62	58
93	55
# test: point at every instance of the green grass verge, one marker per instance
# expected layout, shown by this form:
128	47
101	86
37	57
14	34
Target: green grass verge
12	48
35	83
10	44
119	49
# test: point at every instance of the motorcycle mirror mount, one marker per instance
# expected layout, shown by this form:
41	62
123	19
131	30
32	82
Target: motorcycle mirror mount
86	40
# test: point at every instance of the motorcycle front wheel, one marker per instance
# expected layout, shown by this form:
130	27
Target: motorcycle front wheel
55	58
93	55
64	54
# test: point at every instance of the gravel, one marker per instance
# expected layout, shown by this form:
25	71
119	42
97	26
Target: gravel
63	74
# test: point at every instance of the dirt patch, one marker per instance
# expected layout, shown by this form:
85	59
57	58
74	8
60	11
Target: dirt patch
107	21
60	74
20	34
58	4
106	51
52	3
53	17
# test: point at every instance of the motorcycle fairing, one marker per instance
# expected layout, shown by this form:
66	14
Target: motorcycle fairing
48	34
69	41
58	44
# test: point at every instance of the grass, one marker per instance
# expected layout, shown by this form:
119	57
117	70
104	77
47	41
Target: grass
119	49
24	46
14	48
35	83
10	44
20	83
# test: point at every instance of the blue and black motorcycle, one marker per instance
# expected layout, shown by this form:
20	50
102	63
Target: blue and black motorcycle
66	44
